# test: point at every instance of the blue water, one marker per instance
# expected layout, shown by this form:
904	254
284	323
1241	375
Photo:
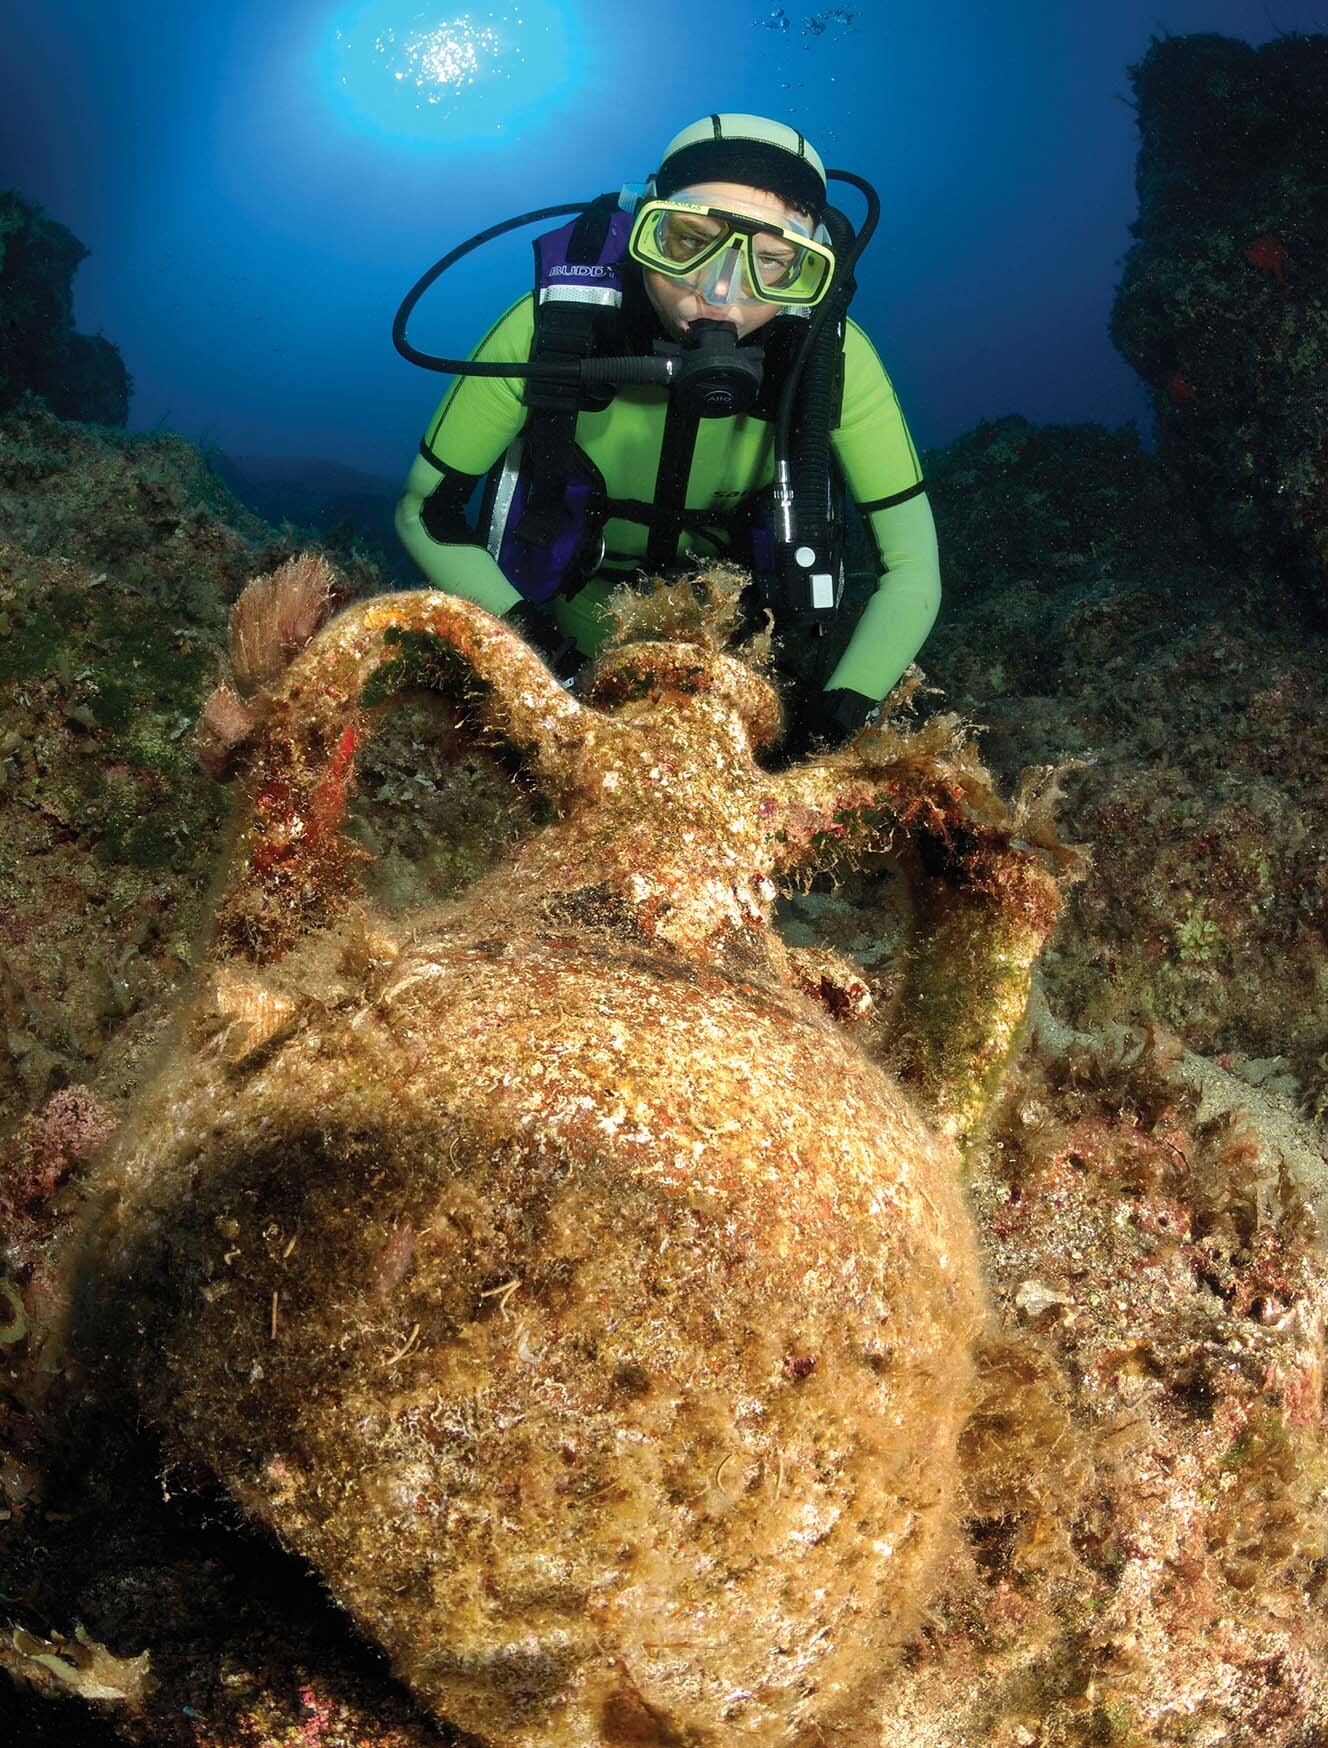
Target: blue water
259	183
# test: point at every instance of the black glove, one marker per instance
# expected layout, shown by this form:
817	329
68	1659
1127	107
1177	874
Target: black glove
825	719
537	628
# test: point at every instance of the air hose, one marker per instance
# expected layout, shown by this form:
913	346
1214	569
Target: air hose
819	390
613	372
806	585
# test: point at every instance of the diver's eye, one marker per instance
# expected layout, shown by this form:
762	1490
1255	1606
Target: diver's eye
774	269
683	240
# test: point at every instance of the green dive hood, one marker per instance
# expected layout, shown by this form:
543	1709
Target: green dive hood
750	150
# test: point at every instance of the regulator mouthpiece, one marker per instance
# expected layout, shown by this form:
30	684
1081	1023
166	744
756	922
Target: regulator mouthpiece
713	377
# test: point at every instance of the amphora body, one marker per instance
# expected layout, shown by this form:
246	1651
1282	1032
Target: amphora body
561	1276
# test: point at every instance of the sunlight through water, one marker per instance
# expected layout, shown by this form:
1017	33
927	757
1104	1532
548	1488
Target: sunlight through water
445	72
441	59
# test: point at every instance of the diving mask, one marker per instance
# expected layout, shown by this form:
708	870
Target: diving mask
730	257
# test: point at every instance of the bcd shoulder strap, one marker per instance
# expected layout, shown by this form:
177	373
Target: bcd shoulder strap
676	449
578	305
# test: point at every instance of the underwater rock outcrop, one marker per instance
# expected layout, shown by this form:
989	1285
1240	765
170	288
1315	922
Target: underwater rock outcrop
1146	1549
1222	307
1188	699
79	376
557	1273
119	558
1012	497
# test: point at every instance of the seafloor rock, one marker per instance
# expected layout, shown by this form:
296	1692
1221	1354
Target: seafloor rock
1222	307
1190	700
560	1277
79	376
119	557
1011	497
1147	1479
1147	1540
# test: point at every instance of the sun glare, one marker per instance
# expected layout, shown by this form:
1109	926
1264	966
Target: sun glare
437	73
441	59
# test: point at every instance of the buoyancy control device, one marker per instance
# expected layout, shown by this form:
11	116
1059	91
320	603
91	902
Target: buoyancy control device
540	532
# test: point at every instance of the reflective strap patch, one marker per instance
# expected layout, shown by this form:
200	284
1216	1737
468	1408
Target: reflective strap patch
823	590
592	294
502	498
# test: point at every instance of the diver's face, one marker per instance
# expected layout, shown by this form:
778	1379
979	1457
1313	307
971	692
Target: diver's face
678	303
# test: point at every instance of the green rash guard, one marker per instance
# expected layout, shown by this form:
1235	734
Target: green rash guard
480	416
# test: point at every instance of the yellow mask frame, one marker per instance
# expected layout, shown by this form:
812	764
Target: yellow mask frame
734	257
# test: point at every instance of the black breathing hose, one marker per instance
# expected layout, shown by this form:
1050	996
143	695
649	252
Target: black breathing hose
614	372
817	365
820	368
468	366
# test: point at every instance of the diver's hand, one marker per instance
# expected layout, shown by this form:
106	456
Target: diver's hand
826	720
558	651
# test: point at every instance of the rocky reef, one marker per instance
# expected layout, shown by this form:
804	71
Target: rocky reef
79	376
1191	697
1222	308
119	557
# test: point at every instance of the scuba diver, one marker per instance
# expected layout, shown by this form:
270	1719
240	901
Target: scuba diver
684	383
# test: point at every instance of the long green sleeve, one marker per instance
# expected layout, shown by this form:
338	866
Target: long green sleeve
452	565
472	427
896	620
884	475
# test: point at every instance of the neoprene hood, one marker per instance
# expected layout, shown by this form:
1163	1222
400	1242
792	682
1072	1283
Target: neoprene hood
747	149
